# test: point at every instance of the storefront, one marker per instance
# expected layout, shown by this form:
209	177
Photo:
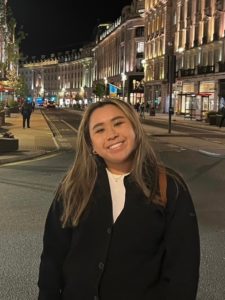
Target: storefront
195	103
6	93
185	99
153	96
208	88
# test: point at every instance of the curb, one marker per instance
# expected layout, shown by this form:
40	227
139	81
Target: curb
17	157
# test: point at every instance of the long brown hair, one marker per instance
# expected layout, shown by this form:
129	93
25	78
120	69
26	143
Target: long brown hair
73	189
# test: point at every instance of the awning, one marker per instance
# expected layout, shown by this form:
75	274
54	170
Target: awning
204	94
6	89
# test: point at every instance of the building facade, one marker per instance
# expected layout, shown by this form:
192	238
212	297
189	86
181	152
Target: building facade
119	53
199	46
158	43
66	76
193	32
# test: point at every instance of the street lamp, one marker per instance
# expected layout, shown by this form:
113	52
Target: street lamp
171	80
105	82
124	78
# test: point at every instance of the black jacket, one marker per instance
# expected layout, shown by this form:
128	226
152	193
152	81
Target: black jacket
149	253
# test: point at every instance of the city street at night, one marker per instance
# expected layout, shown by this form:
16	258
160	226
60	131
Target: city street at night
27	189
117	114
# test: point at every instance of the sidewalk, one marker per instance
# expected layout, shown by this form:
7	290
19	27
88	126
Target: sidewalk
179	119
35	141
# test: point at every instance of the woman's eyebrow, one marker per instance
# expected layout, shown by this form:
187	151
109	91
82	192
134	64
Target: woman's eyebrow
97	125
117	118
102	123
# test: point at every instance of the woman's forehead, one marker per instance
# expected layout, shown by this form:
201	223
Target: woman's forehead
106	112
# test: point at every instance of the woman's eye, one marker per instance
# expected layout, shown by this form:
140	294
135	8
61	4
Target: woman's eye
99	130
118	123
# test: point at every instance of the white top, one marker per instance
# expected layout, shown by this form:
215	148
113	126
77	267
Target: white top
117	192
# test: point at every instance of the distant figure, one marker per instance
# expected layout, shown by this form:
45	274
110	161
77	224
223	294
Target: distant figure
142	110
26	111
147	107
152	111
137	106
33	106
223	116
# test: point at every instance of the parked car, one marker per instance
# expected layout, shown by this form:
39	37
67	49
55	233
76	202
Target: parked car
50	104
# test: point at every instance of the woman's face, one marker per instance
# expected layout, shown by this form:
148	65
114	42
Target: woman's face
113	138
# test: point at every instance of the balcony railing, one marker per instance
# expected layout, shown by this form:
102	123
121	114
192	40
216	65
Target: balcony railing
205	69
186	72
221	66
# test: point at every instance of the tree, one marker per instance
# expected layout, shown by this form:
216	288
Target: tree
12	78
99	90
13	39
21	87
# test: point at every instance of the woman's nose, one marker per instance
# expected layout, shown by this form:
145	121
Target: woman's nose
111	133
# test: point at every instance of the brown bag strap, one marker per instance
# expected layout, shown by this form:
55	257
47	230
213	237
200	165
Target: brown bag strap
163	185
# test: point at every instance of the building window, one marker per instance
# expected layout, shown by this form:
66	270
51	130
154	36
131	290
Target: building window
139	32
140	47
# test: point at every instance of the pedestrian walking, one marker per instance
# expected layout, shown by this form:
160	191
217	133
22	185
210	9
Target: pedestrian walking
33	106
223	116
142	110
137	106
147	107
121	226
26	111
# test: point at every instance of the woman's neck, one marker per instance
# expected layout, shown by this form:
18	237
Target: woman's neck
119	170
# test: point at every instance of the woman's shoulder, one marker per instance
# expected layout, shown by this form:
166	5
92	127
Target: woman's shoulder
178	192
175	179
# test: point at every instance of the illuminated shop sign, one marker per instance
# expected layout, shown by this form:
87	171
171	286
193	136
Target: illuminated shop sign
136	84
111	28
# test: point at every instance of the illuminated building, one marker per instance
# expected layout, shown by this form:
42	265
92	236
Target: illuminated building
193	31
68	75
119	52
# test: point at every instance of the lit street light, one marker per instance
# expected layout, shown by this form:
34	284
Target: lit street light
105	82
171	80
124	78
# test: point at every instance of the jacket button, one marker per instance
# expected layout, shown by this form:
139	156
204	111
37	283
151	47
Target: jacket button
109	230
101	266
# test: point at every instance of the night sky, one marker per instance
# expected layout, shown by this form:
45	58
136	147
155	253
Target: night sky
54	25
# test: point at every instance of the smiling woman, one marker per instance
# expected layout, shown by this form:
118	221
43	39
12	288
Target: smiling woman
121	226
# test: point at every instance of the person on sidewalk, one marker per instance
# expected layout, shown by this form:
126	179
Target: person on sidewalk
26	110
223	116
121	226
142	110
33	106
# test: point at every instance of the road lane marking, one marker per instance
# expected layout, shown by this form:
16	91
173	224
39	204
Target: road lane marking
71	127
209	153
28	159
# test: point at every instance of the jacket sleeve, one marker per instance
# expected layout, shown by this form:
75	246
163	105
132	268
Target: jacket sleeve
56	243
180	270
